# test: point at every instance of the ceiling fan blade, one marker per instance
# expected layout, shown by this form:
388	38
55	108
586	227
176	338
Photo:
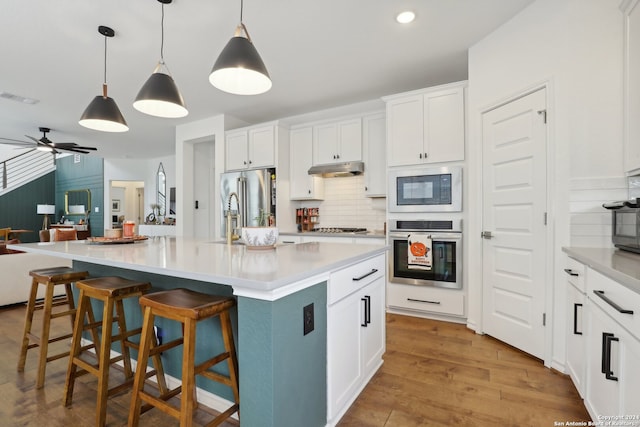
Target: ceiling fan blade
15	140
18	144
75	150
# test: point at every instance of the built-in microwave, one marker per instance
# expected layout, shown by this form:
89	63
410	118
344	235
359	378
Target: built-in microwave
625	224
425	190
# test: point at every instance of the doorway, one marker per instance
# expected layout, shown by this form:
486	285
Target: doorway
514	164
127	202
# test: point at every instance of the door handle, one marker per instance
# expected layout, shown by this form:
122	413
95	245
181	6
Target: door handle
575	319
611	303
570	272
486	235
606	355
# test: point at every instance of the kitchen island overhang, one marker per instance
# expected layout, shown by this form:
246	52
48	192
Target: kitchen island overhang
283	373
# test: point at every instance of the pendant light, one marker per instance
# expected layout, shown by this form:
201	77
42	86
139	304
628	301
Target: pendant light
103	113
239	68
160	96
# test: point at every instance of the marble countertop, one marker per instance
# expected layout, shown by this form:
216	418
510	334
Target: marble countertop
621	266
265	274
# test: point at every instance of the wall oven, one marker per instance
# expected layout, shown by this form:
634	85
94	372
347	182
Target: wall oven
446	240
425	190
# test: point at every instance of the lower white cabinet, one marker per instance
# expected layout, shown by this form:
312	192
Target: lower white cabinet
613	370
425	299
576	324
355	332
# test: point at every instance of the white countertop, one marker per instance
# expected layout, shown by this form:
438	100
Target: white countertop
621	266
265	274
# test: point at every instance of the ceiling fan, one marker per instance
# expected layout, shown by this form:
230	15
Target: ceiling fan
45	144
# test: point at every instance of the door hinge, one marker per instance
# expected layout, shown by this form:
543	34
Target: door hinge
545	218
543	113
544	319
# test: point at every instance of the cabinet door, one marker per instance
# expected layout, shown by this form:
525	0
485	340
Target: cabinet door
303	186
236	150
576	336
373	334
344	367
374	143
262	147
630	377
632	87
405	131
602	394
444	127
349	141
325	144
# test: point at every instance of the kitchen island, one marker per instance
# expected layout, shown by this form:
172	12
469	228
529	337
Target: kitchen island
283	370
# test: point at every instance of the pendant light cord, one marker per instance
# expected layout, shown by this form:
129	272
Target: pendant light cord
104	83
241	8
162	36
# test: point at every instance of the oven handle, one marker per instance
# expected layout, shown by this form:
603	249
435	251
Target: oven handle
446	237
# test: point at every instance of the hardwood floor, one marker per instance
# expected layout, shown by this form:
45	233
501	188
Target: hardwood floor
434	374
443	374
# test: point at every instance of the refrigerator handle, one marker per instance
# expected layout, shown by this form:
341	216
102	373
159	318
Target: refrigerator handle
243	210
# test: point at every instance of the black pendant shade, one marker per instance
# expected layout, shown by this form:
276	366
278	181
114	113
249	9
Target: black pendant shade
104	115
239	68
160	97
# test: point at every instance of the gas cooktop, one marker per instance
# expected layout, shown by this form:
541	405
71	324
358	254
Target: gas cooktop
339	230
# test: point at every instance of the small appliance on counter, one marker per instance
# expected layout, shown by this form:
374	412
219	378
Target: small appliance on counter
625	224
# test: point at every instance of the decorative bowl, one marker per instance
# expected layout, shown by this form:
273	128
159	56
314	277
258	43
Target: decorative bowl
260	237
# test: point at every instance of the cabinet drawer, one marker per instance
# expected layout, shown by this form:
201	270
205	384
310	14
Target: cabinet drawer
348	280
615	300
425	298
575	273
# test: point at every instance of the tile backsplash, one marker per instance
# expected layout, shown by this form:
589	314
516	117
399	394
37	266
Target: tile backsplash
345	205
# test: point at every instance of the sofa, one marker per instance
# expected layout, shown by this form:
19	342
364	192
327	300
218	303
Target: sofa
15	282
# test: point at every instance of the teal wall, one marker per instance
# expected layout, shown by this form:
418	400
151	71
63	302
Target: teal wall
282	372
18	207
88	173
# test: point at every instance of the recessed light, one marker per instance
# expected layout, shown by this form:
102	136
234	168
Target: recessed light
406	17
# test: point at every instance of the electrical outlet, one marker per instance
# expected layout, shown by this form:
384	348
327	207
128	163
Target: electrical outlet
308	318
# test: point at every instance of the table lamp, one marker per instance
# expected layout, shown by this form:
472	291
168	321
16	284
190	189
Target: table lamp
46	210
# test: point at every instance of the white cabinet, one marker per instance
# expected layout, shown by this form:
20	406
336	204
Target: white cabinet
407	299
250	148
374	143
355	332
426	126
576	323
337	142
632	87
613	368
303	186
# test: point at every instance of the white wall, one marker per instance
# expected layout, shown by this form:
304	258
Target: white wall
575	47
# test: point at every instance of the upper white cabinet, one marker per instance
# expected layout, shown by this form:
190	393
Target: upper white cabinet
303	186
426	126
632	87
251	148
374	142
337	142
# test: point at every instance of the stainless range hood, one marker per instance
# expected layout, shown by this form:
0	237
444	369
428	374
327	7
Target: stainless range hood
337	169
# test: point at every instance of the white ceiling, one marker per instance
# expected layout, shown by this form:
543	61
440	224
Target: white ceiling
320	54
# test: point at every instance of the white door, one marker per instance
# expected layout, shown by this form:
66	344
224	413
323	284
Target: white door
203	189
514	212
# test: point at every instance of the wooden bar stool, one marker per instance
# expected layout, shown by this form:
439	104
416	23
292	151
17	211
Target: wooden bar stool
111	291
50	278
187	307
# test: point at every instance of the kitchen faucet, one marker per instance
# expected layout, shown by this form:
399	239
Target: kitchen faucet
230	217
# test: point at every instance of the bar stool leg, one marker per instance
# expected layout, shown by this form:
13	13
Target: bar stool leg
188	374
83	303
69	293
143	360
232	361
31	307
44	335
124	348
103	362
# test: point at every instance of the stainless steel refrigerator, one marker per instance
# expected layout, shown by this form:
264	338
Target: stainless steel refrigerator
256	191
